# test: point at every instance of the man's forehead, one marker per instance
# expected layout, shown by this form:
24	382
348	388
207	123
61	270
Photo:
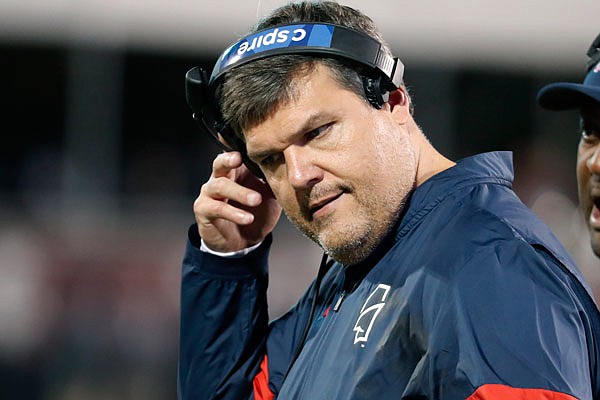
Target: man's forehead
289	123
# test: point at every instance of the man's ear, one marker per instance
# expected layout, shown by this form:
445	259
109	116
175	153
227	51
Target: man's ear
399	104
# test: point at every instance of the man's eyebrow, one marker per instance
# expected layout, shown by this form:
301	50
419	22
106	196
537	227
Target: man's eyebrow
312	122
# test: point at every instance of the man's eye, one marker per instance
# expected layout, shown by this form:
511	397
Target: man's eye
316	132
590	135
269	160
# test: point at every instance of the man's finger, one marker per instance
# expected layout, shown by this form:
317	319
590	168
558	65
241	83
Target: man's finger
209	210
223	188
225	163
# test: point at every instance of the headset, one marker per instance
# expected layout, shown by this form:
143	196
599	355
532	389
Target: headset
380	72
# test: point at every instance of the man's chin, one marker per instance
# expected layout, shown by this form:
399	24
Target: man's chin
346	245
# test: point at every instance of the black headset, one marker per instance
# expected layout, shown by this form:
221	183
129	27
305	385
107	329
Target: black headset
380	72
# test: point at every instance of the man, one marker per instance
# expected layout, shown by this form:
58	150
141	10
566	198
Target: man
442	284
586	98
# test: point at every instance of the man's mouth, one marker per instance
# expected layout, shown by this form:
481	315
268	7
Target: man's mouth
318	205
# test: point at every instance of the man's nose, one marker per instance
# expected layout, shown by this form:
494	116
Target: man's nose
302	170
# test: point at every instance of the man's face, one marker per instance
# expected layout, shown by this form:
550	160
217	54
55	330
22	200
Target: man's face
588	171
340	169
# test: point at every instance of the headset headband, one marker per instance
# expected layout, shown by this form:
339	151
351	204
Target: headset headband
325	40
380	72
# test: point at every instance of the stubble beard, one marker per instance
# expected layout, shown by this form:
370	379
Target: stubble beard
357	239
354	239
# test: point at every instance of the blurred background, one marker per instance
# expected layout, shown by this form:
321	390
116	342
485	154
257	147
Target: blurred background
101	163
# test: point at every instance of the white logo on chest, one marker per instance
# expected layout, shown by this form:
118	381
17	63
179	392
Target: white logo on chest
369	312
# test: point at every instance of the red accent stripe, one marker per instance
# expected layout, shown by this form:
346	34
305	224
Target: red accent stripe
496	392
261	382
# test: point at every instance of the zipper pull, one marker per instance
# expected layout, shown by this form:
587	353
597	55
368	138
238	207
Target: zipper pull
338	303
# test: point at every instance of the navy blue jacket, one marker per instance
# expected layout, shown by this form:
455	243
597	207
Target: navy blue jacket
470	297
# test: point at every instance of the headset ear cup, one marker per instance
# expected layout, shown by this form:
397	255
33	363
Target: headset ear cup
373	91
196	88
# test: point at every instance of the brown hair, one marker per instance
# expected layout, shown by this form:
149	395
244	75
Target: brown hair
250	93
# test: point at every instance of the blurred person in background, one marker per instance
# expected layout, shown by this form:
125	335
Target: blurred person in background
584	97
436	282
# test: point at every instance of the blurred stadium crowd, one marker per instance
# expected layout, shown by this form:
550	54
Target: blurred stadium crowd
100	165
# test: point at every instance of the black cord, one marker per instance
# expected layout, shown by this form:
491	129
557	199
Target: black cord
323	268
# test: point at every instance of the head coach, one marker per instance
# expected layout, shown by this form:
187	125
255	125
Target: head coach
436	281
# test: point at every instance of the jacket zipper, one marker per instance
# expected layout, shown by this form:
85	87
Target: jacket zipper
323	332
339	301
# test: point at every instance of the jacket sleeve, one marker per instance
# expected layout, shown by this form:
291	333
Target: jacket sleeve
223	325
515	327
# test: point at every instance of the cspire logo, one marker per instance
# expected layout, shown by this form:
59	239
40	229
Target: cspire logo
282	37
268	39
597	68
369	312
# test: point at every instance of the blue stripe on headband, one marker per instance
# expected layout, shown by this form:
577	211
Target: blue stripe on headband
305	35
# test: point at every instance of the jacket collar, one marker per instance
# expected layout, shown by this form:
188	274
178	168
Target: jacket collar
493	167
